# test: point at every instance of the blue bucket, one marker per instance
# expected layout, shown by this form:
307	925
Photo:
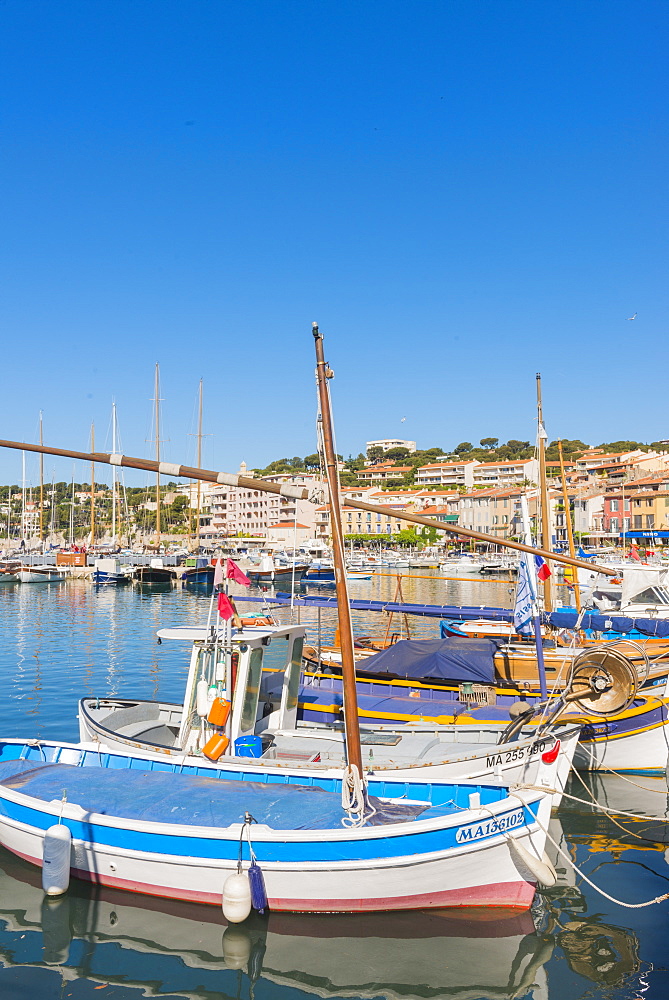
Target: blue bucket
248	746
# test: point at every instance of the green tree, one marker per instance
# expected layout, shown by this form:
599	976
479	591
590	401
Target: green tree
397	454
489	443
463	447
375	454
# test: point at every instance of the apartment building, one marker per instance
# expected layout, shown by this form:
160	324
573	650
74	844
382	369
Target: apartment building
382	472
456	474
646	511
387	443
506	473
236	510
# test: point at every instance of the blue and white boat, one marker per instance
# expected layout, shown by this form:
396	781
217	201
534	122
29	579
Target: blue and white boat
108	572
145	827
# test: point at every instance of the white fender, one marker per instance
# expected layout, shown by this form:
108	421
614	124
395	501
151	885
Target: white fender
236	897
56	860
541	869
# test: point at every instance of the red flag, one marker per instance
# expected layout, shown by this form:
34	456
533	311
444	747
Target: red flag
233	572
226	608
634	553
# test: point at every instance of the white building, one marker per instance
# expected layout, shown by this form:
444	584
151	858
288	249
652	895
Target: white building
511	473
236	510
387	444
447	474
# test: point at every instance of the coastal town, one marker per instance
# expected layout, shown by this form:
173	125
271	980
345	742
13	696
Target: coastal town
615	498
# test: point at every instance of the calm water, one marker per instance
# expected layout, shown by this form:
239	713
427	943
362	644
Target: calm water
57	643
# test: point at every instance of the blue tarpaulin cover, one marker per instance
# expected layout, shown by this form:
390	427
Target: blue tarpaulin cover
163	797
608	623
452	659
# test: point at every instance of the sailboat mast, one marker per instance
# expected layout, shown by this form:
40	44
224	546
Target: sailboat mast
114	450
570	533
545	516
199	465
41	485
23	498
72	512
351	722
92	487
157	422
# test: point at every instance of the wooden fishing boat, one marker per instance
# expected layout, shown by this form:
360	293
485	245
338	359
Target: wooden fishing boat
40	574
153	575
179	836
176	731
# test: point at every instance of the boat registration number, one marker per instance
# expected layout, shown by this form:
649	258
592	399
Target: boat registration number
500	824
516	754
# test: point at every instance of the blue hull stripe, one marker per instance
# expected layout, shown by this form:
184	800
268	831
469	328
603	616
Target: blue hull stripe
208	848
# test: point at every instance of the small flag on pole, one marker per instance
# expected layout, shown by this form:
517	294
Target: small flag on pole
543	569
634	553
233	572
226	608
218	573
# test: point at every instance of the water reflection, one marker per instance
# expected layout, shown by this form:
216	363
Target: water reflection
159	946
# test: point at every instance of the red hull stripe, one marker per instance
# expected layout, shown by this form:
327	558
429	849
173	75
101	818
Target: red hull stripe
510	895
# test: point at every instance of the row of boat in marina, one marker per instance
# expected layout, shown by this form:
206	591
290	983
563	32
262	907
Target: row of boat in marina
413	779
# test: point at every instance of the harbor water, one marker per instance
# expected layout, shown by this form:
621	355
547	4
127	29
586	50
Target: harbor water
61	642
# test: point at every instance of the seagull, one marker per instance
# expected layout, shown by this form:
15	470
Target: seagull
633	317
402	420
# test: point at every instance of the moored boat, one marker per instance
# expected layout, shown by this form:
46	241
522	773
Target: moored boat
40	574
422	845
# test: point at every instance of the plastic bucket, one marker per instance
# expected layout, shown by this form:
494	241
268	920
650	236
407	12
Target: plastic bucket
248	746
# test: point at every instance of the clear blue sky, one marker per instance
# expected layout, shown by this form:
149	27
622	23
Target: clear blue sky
461	193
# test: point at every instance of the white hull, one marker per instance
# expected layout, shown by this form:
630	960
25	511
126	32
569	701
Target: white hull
479	873
38	575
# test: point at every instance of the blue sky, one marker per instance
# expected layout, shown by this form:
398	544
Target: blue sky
461	193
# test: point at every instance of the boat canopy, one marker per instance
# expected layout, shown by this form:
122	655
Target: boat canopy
452	659
424	610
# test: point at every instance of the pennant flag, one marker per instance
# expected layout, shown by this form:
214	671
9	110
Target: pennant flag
525	598
543	569
233	572
226	608
218	573
634	553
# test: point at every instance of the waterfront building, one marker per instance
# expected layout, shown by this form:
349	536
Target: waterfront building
387	443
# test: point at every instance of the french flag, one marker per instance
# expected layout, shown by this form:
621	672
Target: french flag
543	569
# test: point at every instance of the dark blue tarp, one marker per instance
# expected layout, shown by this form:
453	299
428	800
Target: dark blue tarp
165	797
451	659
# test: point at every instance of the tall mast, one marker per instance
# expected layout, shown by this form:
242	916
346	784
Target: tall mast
199	465
351	723
545	517
92	487
157	421
570	533
23	498
41	485
72	511
114	450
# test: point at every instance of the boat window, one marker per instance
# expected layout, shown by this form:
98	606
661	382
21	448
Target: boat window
292	682
250	709
653	595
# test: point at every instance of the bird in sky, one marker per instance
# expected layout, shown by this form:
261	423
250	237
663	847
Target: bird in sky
633	317
402	420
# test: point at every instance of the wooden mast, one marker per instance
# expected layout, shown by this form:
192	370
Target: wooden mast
92	487
113	524
157	421
545	514
199	465
41	486
301	493
351	723
570	533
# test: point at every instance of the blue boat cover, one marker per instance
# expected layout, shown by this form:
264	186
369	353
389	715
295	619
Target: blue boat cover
608	623
451	659
163	797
